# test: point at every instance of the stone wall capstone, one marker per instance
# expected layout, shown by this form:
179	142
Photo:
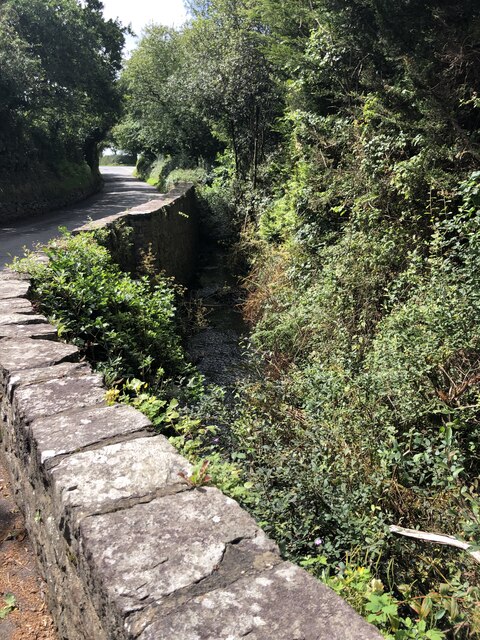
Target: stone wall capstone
129	550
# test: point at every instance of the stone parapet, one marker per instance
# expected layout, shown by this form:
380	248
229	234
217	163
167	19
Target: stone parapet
129	550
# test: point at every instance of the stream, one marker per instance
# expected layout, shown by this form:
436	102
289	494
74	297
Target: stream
215	346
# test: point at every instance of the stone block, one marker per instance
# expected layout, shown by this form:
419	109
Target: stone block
70	393
117	475
37	331
66	433
159	549
7	319
28	354
16	305
25	377
283	603
9	275
14	289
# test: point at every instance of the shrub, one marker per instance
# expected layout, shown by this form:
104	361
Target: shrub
125	327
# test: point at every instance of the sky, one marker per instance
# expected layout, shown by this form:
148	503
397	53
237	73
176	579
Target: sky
139	13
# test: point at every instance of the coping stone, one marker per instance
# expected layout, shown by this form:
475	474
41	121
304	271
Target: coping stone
14	289
162	547
16	305
35	331
29	354
57	395
25	377
21	319
283	603
67	433
98	480
8	275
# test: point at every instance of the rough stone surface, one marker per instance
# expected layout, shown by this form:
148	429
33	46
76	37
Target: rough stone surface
283	603
67	433
118	474
21	319
9	275
162	547
13	289
25	377
28	354
22	331
16	305
54	396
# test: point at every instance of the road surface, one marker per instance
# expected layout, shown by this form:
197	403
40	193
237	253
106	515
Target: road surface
121	191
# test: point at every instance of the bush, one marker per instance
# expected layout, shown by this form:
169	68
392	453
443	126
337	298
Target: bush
366	409
197	175
112	160
125	327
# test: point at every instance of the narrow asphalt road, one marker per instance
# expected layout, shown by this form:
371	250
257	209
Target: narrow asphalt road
121	191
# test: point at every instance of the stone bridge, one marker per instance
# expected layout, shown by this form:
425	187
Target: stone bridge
128	549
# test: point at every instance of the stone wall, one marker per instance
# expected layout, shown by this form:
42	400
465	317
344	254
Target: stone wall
128	548
165	228
32	202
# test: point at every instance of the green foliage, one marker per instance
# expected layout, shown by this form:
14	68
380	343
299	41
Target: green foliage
368	596
8	606
113	160
369	413
196	176
61	184
59	61
201	443
160	111
196	92
156	172
405	615
125	327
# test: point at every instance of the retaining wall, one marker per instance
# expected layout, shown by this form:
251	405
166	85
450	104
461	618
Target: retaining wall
128	549
32	203
166	229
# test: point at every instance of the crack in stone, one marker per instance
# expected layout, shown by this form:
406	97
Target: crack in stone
80	369
227	572
123	504
144	432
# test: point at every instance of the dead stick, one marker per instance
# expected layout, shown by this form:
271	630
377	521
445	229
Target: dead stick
438	538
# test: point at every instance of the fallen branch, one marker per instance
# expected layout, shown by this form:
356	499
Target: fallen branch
438	538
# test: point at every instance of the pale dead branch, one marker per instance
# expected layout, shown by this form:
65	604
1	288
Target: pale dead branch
437	538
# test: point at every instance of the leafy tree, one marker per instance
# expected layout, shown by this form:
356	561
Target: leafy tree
161	115
203	89
59	62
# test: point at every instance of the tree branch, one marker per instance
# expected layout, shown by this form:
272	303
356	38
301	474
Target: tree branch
437	538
